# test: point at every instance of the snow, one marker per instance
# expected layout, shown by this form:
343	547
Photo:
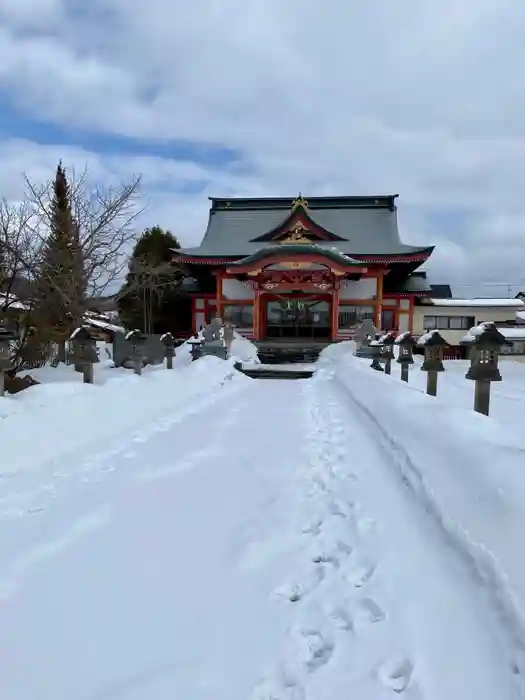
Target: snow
242	350
507	333
197	534
131	334
429	337
402	337
12	302
104	325
508	303
520	315
512	333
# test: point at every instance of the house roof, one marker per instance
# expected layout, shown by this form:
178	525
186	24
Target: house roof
441	291
415	284
364	226
503	303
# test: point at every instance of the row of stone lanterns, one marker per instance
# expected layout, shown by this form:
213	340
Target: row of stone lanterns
484	342
217	339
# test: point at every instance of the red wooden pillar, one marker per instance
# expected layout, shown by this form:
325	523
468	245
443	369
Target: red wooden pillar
411	315
379	300
335	311
219	294
257	315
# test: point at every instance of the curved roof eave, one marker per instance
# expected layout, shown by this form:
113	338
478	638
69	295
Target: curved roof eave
297	249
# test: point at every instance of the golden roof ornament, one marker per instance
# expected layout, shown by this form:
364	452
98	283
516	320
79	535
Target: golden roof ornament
300	201
296	234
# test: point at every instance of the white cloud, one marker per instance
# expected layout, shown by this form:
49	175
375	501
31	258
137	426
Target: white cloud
420	98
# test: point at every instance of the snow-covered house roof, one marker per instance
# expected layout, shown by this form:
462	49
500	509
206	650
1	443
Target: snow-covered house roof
12	302
104	325
509	334
504	303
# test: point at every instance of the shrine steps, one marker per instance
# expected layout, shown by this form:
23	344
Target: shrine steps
276	352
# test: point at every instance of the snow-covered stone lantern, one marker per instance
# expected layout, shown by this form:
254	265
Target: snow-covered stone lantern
375	349
406	344
433	344
169	345
387	351
213	340
364	335
195	344
7	336
228	335
138	347
485	343
84	352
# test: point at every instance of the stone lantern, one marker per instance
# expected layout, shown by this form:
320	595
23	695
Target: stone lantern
84	352
433	344
7	336
375	348
228	335
138	343
485	343
406	344
387	352
213	341
195	344
169	345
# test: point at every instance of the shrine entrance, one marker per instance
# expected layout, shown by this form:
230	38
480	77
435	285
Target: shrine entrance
298	318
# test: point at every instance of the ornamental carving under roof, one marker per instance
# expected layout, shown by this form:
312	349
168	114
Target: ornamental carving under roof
296	234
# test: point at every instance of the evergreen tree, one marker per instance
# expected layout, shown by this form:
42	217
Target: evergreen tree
150	298
61	280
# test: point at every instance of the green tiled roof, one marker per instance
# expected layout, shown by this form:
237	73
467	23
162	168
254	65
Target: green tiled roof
297	249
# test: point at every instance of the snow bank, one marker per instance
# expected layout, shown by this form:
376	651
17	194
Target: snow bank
242	350
464	468
48	420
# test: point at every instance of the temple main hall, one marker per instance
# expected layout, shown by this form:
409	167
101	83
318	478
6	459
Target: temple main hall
304	268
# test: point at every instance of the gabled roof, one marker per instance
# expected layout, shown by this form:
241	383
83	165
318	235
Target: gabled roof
362	227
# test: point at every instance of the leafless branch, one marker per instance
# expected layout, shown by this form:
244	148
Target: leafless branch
105	219
18	252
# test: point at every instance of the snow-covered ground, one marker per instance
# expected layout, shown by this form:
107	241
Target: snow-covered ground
196	534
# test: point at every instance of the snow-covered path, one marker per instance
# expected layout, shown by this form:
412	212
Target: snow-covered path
265	547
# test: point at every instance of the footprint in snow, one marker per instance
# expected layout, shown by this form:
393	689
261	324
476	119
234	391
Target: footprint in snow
333	553
359	576
396	674
340	509
296	591
283	688
314	648
342	618
313	528
371	610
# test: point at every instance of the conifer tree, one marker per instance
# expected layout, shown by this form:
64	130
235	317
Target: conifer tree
61	279
149	299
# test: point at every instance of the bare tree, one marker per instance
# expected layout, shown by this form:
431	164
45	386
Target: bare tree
18	252
150	281
105	219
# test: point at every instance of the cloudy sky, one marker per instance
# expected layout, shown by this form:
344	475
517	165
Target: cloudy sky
272	97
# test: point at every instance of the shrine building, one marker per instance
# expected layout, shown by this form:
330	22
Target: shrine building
284	268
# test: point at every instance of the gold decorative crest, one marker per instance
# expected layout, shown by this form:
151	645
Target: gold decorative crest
300	201
296	234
